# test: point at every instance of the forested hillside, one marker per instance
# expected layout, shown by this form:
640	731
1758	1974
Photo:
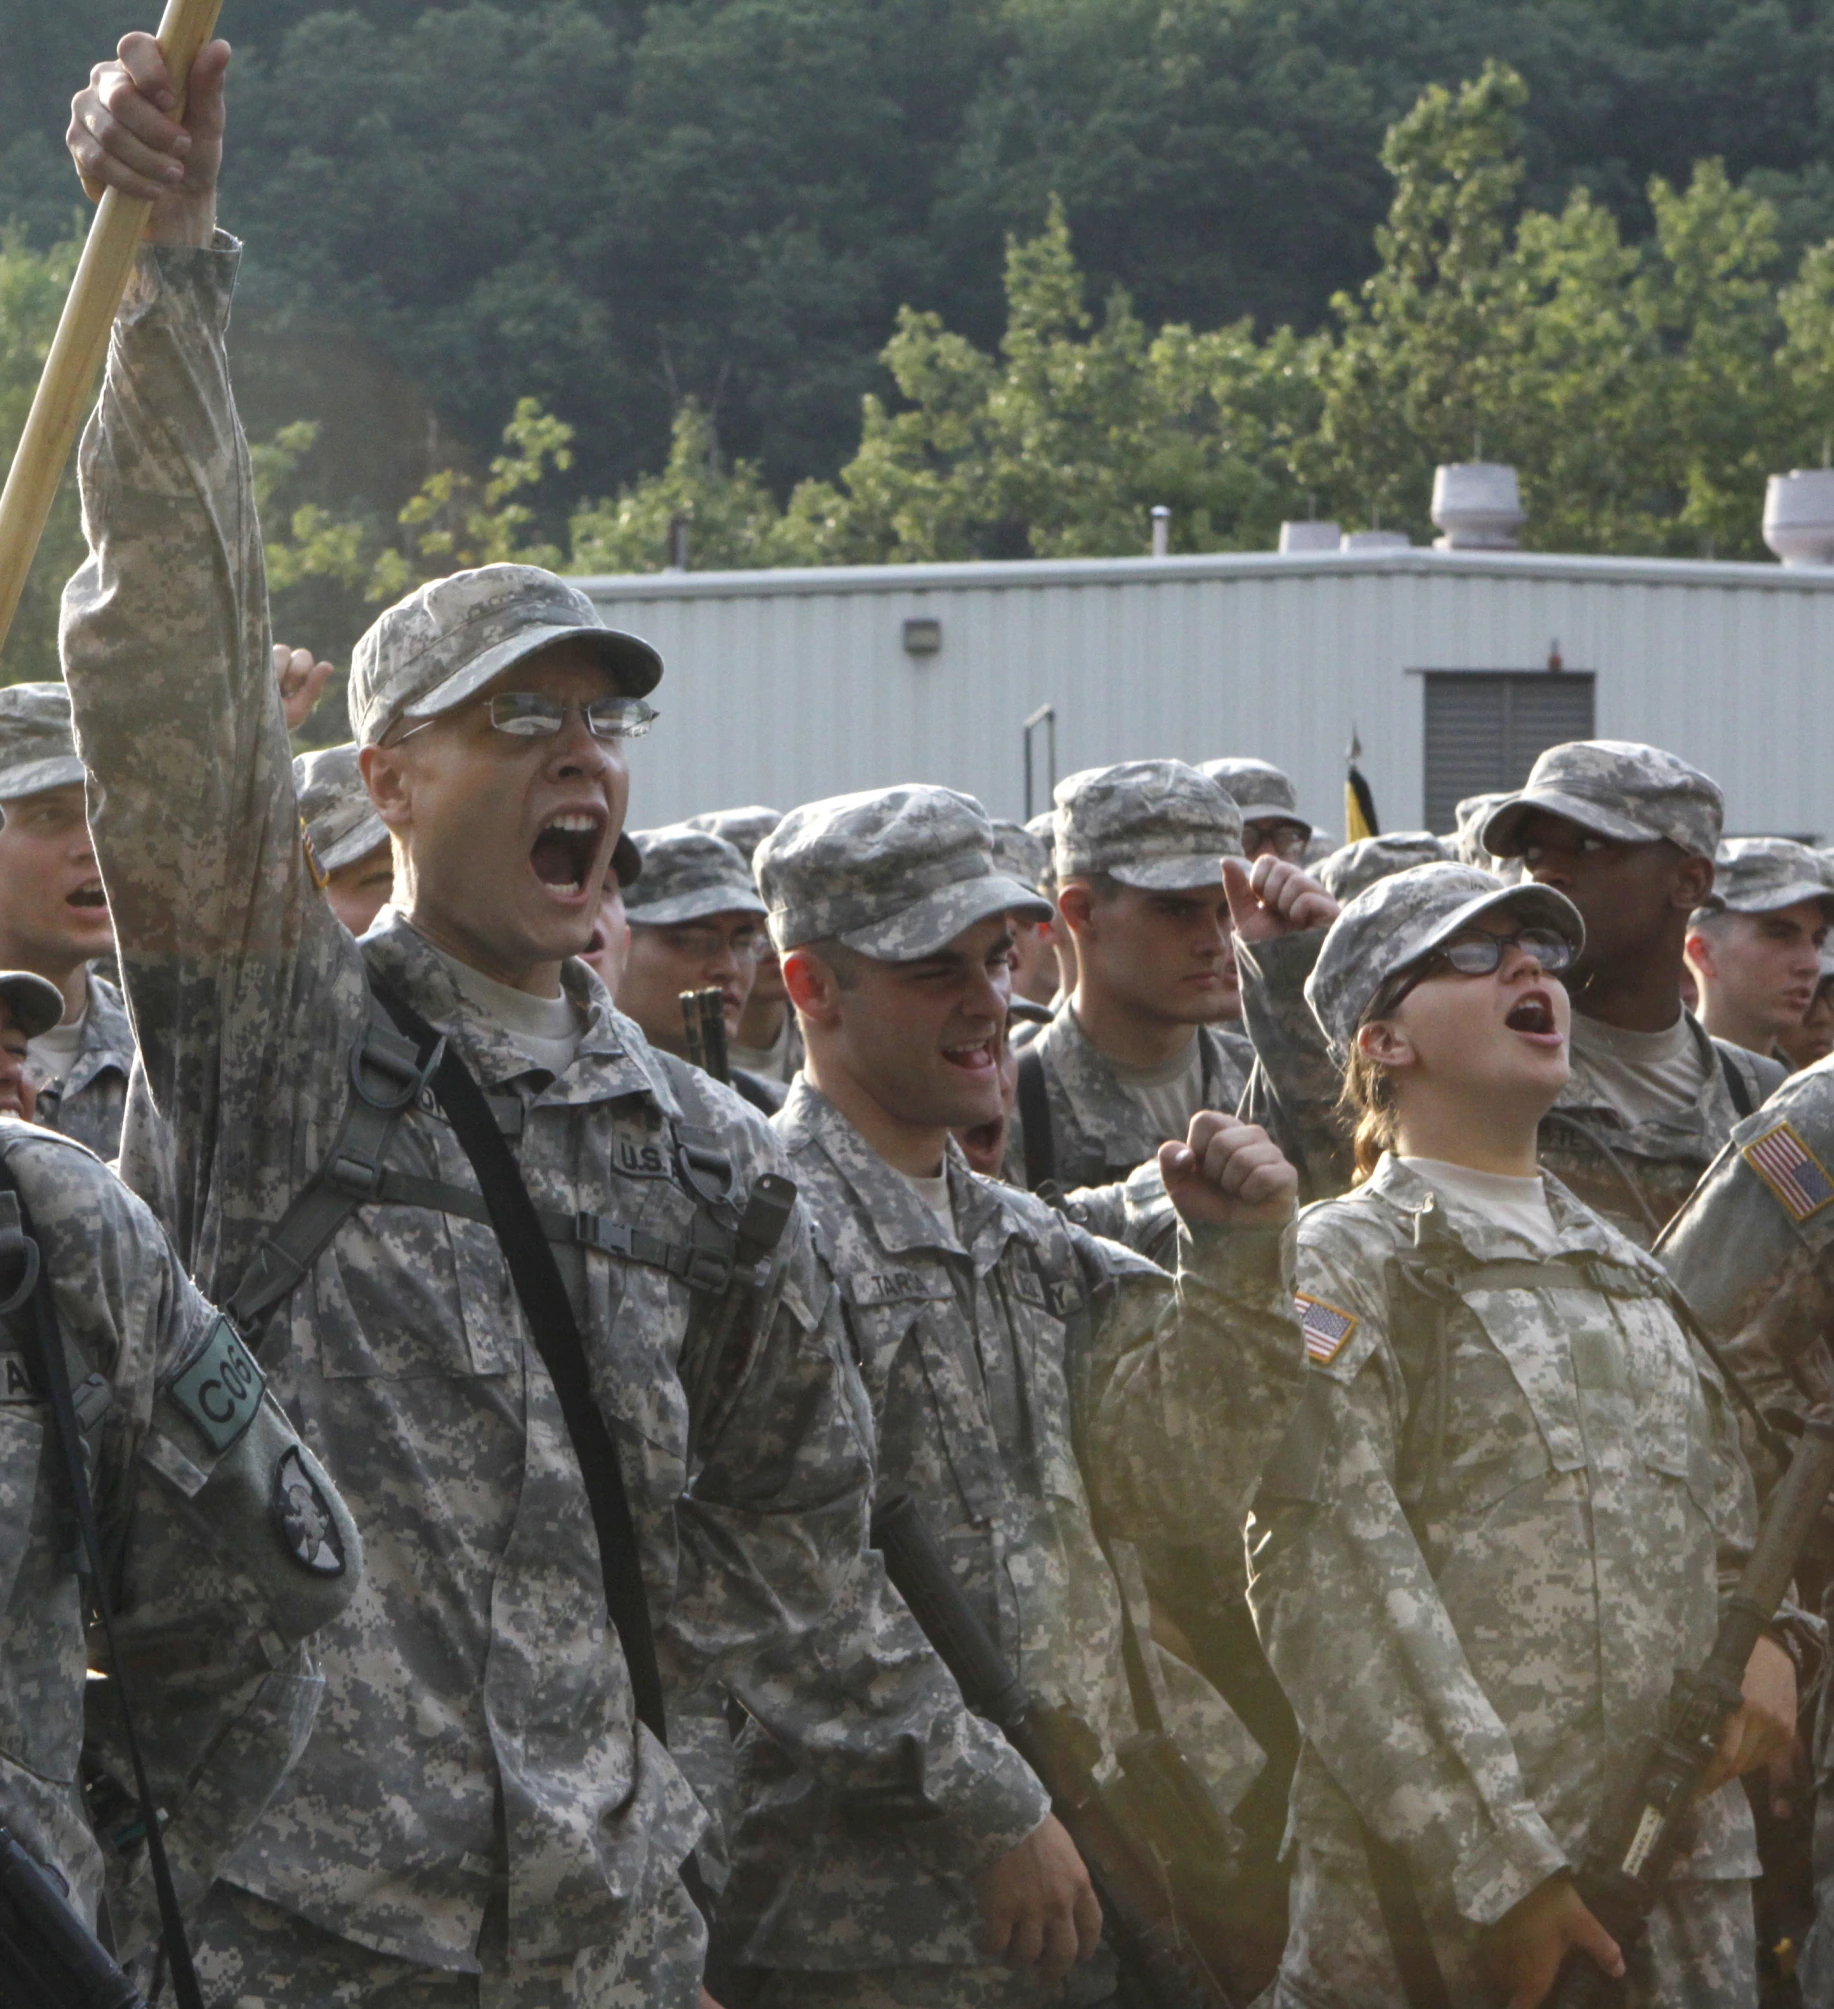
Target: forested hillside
718	208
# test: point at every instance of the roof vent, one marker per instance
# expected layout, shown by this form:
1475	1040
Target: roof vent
1375	540
1309	537
1477	505
1799	516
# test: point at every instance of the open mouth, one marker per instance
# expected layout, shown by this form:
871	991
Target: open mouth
90	895
565	853
1534	1015
970	1059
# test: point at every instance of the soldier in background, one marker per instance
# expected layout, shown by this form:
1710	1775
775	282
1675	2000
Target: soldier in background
609	947
1269	807
1043	827
1755	950
767	1043
1025	858
1629	833
54	919
348	840
1024	1377
1813	1039
696	923
1354	866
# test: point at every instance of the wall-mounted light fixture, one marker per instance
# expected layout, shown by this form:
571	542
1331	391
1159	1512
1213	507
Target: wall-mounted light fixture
922	636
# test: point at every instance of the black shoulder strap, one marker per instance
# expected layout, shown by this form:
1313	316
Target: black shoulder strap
1736	1085
1423	1980
1035	1117
549	1311
34	1293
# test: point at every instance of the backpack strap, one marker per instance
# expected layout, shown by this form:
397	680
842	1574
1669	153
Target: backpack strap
1736	1085
1035	1118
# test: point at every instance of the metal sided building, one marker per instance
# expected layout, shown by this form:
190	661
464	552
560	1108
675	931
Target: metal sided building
1455	668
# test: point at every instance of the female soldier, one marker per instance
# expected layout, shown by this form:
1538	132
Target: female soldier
1499	1522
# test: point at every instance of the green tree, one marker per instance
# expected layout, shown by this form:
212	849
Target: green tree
32	289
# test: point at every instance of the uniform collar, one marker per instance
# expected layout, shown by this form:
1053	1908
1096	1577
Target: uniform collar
1440	1225
108	1037
1583	1095
614	1059
1100	1104
901	1223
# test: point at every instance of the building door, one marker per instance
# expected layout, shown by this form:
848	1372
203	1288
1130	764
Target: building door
1484	729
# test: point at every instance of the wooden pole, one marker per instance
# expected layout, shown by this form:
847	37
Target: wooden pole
81	342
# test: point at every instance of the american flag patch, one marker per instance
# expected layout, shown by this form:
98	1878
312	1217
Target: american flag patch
1791	1171
1326	1328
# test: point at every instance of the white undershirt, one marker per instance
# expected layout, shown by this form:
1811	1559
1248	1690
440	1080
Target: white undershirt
1171	1092
767	1061
548	1030
52	1054
1645	1075
934	1193
1520	1204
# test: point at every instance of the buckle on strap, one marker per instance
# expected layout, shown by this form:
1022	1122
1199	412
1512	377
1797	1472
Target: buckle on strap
404	1076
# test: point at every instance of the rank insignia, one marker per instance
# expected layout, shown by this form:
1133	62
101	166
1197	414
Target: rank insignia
1327	1330
304	1521
1791	1171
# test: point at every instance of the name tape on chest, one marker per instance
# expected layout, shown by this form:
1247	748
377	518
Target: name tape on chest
898	1287
1791	1171
1327	1330
221	1390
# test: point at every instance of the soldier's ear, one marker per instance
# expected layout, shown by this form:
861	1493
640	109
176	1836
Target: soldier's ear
385	777
1693	881
811	986
1076	904
1383	1041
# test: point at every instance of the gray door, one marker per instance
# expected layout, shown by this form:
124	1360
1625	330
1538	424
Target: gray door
1484	729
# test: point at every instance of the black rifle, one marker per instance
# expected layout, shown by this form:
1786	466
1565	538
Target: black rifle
703	1017
1158	1963
49	1959
1634	1849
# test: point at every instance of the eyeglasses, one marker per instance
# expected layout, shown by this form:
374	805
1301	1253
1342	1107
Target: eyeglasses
1475	955
701	943
530	715
1284	840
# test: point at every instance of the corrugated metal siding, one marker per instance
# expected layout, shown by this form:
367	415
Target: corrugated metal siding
782	687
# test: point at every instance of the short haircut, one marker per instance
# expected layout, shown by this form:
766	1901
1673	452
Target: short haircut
843	963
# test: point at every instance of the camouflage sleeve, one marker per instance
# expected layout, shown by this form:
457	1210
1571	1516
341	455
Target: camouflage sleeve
1294	1089
1138	1213
244	990
783	1604
1192	1381
214	1589
1409	1735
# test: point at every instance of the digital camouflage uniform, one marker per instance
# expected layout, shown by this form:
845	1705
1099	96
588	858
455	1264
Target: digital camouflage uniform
1261	792
745	829
1753	1253
1476	1590
213	1591
1026	1381
37	754
1362	862
1635	1174
478	1768
1163	827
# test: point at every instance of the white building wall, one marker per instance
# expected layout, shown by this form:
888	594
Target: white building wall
784	686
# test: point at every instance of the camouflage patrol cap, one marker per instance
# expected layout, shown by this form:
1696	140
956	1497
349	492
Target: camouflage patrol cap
37	741
1020	854
1354	867
1259	790
1760	875
36	1003
894	873
743	829
1614	788
1393	923
1156	824
687	875
1469	819
448	639
341	821
1043	826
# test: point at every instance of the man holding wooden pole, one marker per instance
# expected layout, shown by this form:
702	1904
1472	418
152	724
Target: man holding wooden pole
419	1172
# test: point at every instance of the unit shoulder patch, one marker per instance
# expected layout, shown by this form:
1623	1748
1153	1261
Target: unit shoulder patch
221	1390
1791	1171
1327	1329
304	1520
